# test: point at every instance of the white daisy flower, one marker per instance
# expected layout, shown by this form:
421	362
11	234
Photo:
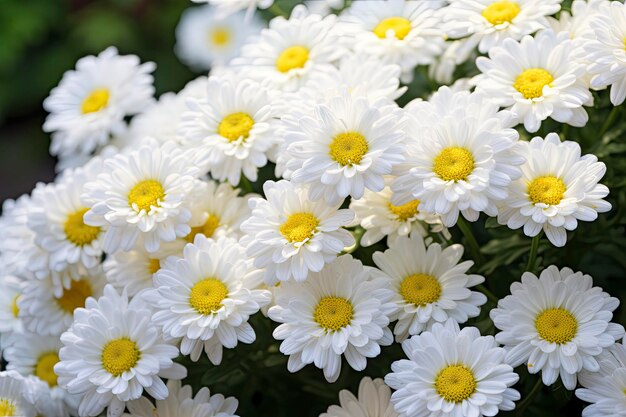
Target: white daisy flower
558	187
490	22
372	401
577	22
112	353
10	321
557	324
462	157
53	402
91	102
204	40
429	284
143	194
291	236
342	310
346	146
12	401
228	7
204	299
181	403
451	372
537	78
407	33
234	124
605	51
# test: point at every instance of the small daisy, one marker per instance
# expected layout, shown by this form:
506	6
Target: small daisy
372	401
537	78
91	102
227	7
290	235
342	310
12	401
235	125
451	372
10	321
112	353
53	402
203	298
490	22
577	22
557	324
558	188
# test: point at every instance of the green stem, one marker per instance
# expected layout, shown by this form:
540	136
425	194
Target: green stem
534	247
471	240
609	120
491	296
245	185
523	405
358	234
276	10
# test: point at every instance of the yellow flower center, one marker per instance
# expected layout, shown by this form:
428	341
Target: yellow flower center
405	211
44	369
220	37
235	126
556	325
531	82
120	355
420	289
146	194
455	383
77	231
454	164
75	296
299	226
95	101
14	306
207	295
348	148
501	11
7	408
154	265
207	229
547	190
333	313
292	57
400	26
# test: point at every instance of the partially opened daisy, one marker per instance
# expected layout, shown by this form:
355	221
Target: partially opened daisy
291	236
112	353
558	188
558	324
451	372
429	284
537	78
373	401
204	298
342	310
12	400
91	102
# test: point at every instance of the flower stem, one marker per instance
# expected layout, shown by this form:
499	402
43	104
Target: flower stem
534	247
491	296
529	398
276	10
609	120
245	185
471	240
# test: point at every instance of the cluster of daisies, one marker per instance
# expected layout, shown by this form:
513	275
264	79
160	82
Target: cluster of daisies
150	244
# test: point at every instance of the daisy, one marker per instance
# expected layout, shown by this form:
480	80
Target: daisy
291	236
558	187
48	401
91	102
203	298
490	22
557	324
462	158
577	22
112	353
429	284
372	401
10	322
537	78
234	124
182	403
342	310
451	372
228	7
12	401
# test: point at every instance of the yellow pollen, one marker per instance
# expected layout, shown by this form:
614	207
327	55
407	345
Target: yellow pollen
292	57
44	369
455	383
531	82
146	194
348	148
14	306
95	101
7	408
405	211
454	164
77	231
220	37
235	126
400	26
547	190
333	313
120	355
299	226
154	265
207	229
75	296
420	289
556	325
207	295
501	11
